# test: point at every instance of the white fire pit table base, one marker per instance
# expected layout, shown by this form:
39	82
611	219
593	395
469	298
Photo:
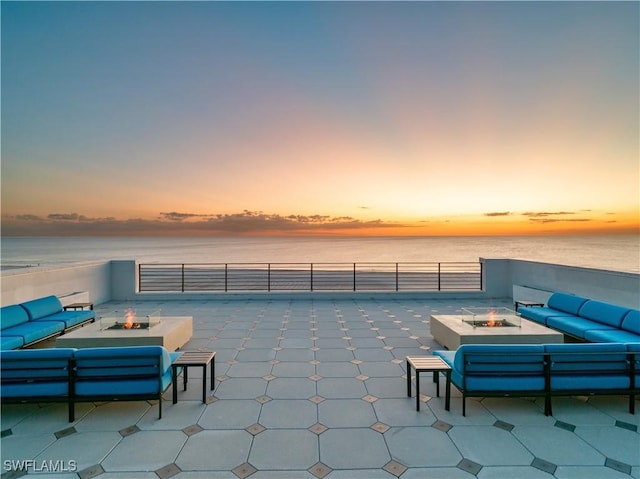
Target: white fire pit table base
451	331
172	332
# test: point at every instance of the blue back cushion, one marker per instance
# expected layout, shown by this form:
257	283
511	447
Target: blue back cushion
122	362
576	357
604	313
631	322
41	307
494	359
568	303
12	316
35	363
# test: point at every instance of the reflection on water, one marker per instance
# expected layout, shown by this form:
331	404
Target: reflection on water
621	253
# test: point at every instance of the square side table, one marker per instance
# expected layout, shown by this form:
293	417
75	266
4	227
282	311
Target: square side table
435	365
193	358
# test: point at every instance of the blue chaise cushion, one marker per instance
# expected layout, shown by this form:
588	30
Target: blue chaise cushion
12	316
576	326
35	330
541	314
611	336
11	342
69	318
41	307
629	332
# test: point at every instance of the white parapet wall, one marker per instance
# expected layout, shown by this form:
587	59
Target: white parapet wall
539	280
78	282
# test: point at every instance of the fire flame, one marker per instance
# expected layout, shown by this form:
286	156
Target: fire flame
129	318
492	319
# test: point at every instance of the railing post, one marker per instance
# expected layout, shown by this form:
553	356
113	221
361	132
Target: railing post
311	284
481	275
439	278
397	279
140	277
269	277
226	268
354	276
182	280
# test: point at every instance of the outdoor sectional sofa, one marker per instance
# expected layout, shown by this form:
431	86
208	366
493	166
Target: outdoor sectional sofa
28	323
539	370
85	375
587	319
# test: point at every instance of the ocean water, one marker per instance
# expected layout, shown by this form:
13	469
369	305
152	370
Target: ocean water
619	253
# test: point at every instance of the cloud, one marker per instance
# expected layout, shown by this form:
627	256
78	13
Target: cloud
543	217
539	214
558	220
498	213
169	223
175	216
63	216
28	218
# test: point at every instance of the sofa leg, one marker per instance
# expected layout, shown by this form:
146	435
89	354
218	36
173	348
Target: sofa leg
632	404
72	411
160	408
464	405
547	406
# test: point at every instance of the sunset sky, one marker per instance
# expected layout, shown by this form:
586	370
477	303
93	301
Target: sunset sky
420	118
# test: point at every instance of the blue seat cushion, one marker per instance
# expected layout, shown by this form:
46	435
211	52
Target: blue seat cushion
575	325
631	322
567	303
541	315
11	342
590	382
604	313
610	336
113	387
69	318
35	389
41	307
35	330
12	316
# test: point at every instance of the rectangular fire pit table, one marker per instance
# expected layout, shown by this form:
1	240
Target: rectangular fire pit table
453	330
168	331
432	364
193	358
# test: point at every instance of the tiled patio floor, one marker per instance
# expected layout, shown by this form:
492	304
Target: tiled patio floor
316	388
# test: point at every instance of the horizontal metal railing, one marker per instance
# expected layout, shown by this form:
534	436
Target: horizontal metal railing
225	277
